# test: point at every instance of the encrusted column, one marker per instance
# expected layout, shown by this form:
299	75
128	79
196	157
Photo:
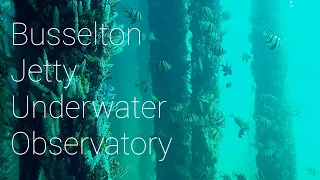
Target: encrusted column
274	137
170	23
89	84
9	161
207	51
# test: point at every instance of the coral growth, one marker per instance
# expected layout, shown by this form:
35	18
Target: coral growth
89	82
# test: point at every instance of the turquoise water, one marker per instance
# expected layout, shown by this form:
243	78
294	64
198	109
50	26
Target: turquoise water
181	42
301	77
239	99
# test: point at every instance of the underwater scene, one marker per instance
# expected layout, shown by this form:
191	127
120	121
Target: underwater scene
159	90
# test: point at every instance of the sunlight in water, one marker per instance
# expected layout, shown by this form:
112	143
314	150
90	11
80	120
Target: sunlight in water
239	99
300	34
303	79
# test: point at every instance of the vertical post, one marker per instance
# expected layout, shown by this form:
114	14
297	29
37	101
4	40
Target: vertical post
93	68
206	131
274	136
169	22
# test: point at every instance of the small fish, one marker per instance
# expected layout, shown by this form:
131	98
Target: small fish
267	98
113	162
206	12
245	57
225	176
269	110
159	66
269	36
263	121
177	120
257	145
179	107
216	135
218	50
311	171
228	85
290	141
113	3
222	123
192	117
201	174
226	69
242	124
133	14
272	38
268	152
119	172
240	176
276	44
143	86
207	26
152	37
